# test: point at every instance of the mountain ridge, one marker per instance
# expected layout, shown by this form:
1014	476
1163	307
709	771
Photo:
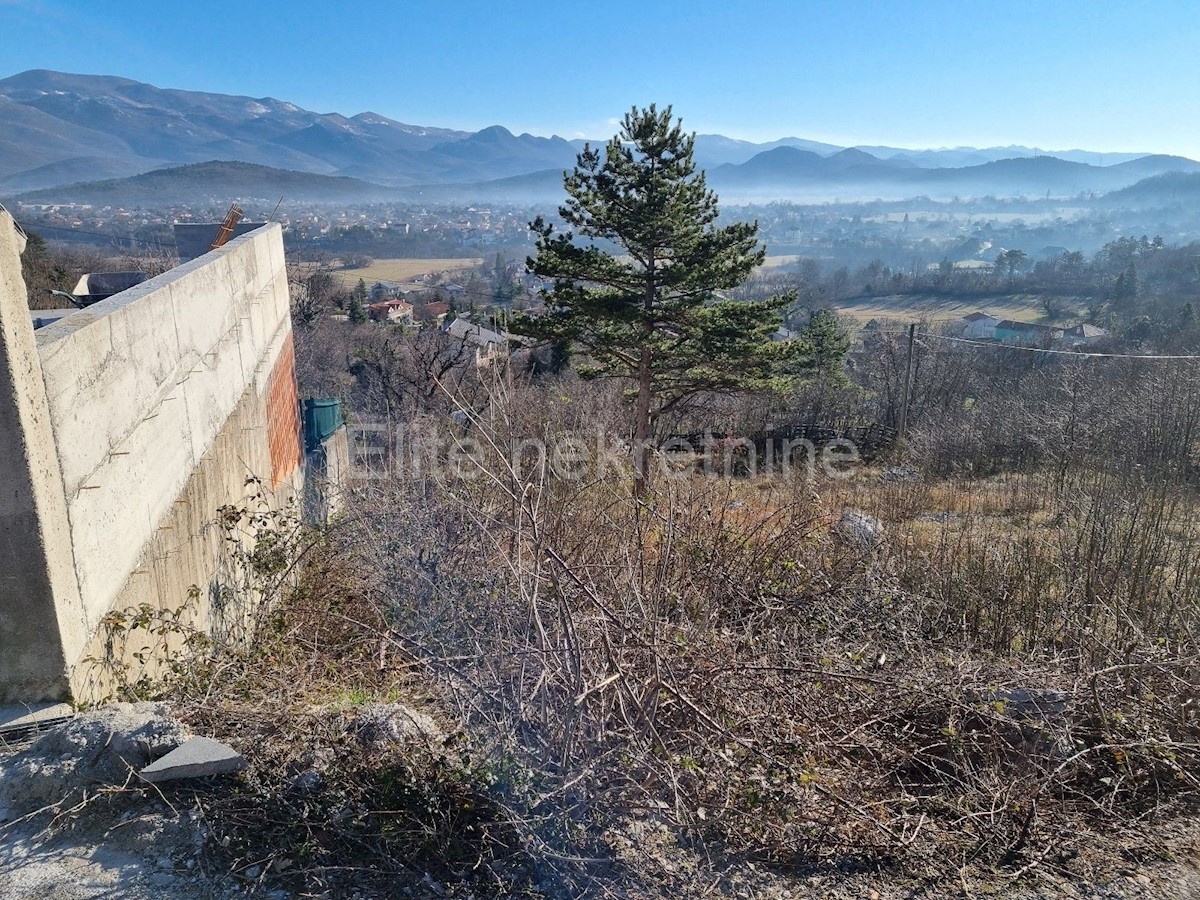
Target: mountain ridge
56	127
219	181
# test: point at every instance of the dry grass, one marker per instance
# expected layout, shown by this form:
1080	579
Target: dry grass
661	692
967	704
327	806
934	308
406	270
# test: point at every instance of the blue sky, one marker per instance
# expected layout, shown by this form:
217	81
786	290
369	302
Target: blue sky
1055	74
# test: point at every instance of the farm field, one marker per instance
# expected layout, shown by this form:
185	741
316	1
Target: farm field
1019	307
404	270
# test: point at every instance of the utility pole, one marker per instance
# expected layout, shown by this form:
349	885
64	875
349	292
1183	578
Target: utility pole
912	335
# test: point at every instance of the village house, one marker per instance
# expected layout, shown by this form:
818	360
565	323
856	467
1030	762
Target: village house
385	290
398	311
980	326
1083	335
488	344
1027	334
985	327
431	313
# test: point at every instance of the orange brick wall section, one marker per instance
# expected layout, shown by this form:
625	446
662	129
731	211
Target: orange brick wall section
283	416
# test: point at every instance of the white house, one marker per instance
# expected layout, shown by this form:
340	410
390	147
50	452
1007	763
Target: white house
980	326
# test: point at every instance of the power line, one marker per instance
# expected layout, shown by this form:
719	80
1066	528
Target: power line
1074	353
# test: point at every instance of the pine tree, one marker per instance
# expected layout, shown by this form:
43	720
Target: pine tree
358	303
827	343
1125	288
652	312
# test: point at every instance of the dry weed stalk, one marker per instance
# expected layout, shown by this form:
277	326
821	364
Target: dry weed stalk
713	659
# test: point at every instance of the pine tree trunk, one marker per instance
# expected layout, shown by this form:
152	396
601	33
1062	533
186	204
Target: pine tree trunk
641	446
641	450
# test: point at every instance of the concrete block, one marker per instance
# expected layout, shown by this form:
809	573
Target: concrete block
198	757
21	722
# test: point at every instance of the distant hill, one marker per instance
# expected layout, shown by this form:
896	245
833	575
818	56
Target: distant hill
786	172
715	149
214	181
779	163
497	152
1029	176
69	171
1158	164
1159	191
58	128
792	163
958	157
51	121
544	187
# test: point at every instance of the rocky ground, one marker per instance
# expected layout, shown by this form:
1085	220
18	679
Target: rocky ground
79	823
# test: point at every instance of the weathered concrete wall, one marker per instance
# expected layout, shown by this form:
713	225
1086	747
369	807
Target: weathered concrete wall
161	404
42	622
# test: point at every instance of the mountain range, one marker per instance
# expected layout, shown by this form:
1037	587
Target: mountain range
787	171
58	130
215	182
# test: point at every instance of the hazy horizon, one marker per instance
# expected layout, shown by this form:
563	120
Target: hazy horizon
1059	77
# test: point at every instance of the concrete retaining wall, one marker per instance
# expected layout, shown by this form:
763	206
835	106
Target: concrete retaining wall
157	407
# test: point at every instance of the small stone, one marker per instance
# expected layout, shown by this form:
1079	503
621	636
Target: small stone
899	473
306	782
195	758
381	724
857	528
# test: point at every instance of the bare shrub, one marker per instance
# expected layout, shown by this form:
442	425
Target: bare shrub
711	658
